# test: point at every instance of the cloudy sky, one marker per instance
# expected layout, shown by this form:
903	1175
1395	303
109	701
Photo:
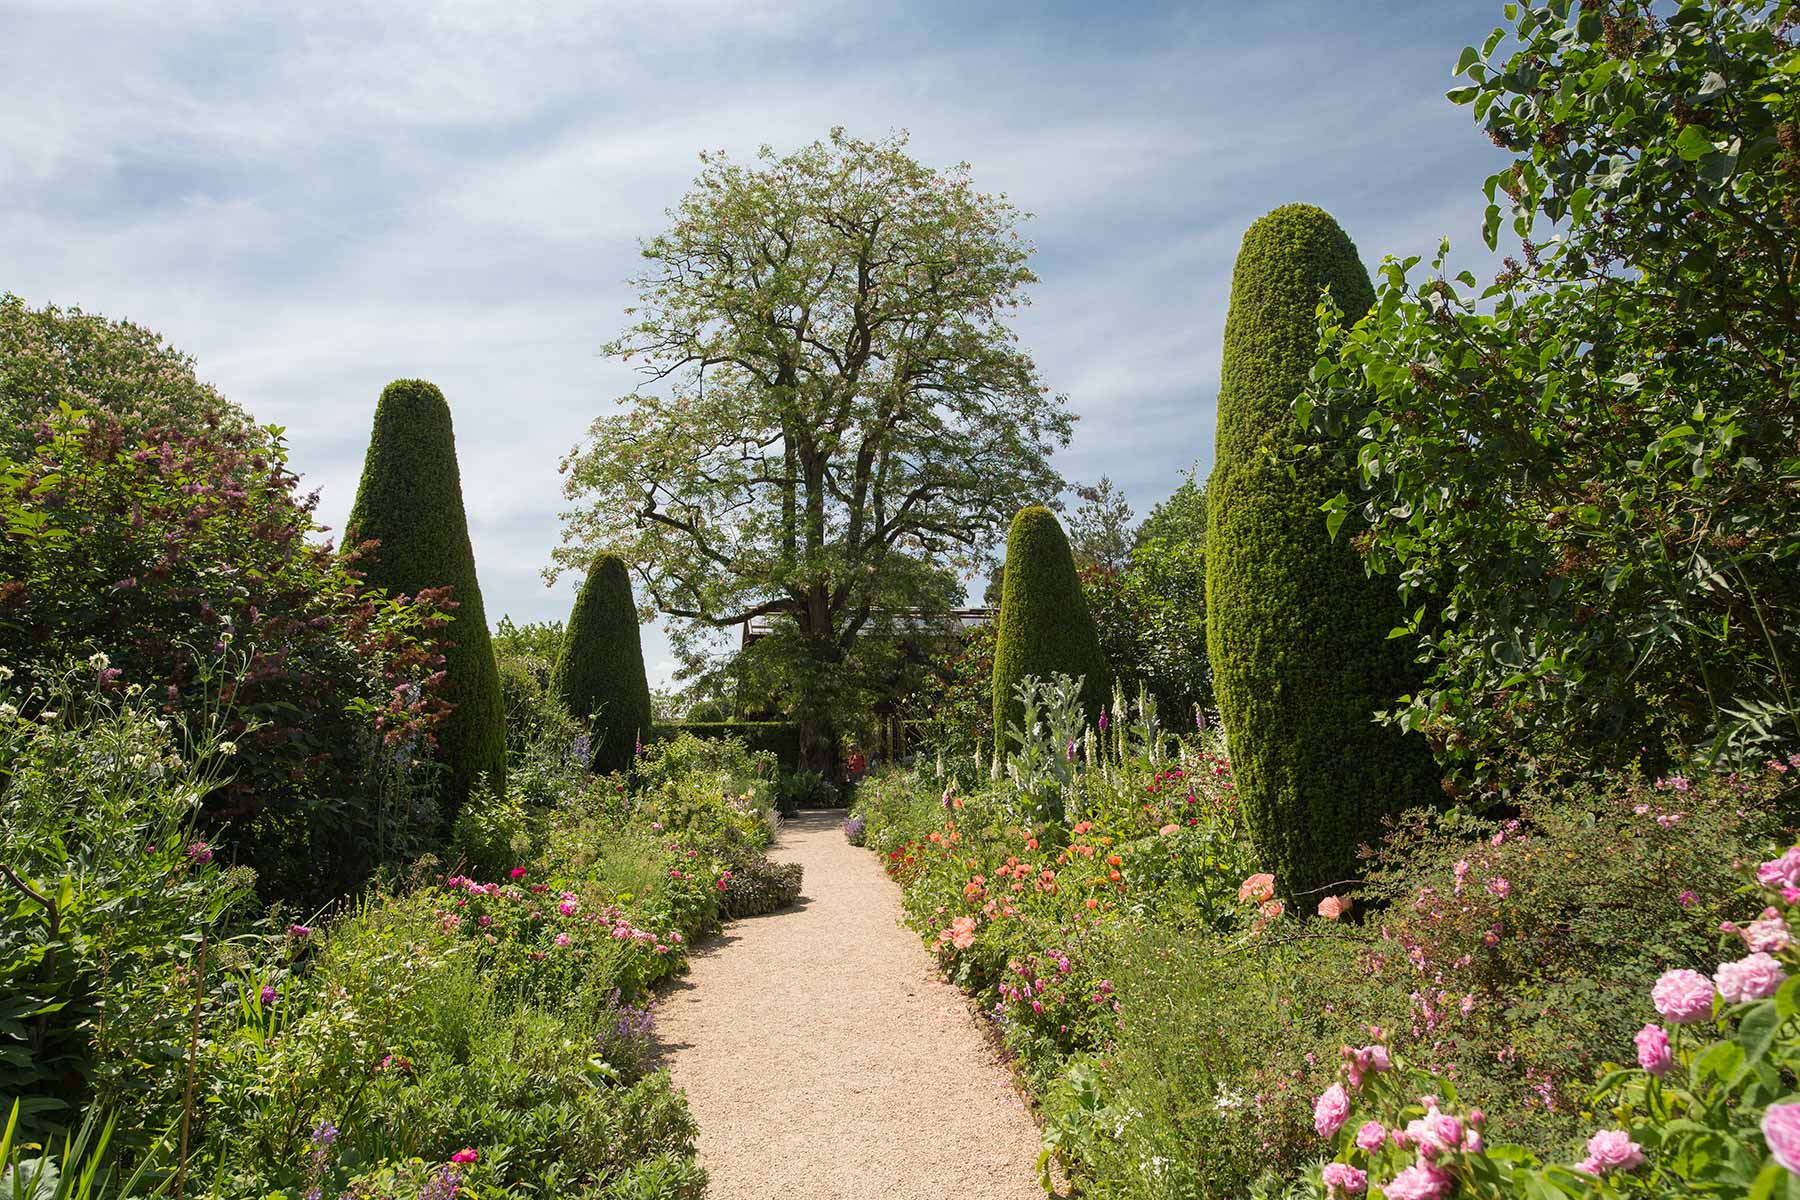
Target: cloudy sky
316	198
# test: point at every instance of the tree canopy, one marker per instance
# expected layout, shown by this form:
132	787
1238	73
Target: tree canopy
836	418
1100	529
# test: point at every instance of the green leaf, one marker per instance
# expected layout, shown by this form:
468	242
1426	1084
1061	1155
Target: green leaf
1757	1031
1468	58
1693	144
1766	1179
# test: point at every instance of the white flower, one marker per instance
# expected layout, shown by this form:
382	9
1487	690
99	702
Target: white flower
228	748
5	674
99	662
8	712
48	715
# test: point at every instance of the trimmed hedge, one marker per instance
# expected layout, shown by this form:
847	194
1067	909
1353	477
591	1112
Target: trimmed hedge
1296	629
1045	625
600	672
410	501
760	886
780	738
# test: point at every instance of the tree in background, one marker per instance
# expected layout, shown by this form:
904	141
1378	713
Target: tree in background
410	505
846	419
1151	618
1045	628
1179	519
56	356
1583	477
1100	529
1297	633
600	672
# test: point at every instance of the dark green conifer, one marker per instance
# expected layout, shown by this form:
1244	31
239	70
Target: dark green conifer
1045	626
410	502
1296	630
600	672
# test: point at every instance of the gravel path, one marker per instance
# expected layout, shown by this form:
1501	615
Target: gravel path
824	1059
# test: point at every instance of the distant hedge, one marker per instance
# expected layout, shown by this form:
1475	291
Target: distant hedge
1045	626
411	502
600	673
780	738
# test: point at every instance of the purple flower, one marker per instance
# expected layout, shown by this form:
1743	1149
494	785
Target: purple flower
268	995
199	853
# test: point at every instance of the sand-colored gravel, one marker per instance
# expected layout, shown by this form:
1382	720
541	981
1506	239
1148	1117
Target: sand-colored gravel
824	1059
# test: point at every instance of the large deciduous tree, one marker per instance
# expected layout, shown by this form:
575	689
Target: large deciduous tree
836	415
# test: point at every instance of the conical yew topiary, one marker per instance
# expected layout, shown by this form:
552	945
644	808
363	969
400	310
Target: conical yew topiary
600	672
1045	626
1296	630
410	501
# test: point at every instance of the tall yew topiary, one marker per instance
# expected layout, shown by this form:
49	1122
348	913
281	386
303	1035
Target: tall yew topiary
410	502
1045	626
600	672
1296	629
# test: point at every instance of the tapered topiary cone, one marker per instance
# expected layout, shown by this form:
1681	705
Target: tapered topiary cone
1296	630
600	672
410	501
1045	626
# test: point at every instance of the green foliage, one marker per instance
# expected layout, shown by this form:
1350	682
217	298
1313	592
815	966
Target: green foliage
115	371
761	886
778	738
538	641
105	889
1296	631
1151	618
410	504
187	560
599	673
1045	628
1178	520
864	423
958	695
1626	389
1100	529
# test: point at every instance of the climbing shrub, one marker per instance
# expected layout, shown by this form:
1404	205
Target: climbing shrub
1296	630
599	675
1045	627
410	507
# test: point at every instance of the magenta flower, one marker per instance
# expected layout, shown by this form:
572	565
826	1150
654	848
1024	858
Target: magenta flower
1753	978
1331	1110
1611	1150
518	872
1500	886
562	939
1370	1136
199	853
465	1155
1653	1050
1781	1129
299	932
569	907
1342	1179
268	995
1683	997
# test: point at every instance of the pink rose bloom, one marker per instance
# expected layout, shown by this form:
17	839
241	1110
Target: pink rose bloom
562	939
1781	1129
1342	1179
1768	934
1372	1134
1448	1131
569	908
1331	1110
1653	1050
1752	978
1333	907
1783	871
465	1155
518	872
1257	888
1683	997
1611	1150
1419	1182
1472	1141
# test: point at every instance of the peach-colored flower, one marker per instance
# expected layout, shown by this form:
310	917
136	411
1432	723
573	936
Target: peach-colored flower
1256	888
962	932
1333	907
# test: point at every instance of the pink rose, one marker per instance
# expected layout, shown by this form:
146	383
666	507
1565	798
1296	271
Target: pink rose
1783	871
1683	997
1331	1110
1448	1130
1419	1182
1371	1135
1333	907
1781	1129
1768	933
1653	1050
1752	978
1611	1150
1342	1179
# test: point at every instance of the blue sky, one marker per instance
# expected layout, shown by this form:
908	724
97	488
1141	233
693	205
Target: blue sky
313	199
